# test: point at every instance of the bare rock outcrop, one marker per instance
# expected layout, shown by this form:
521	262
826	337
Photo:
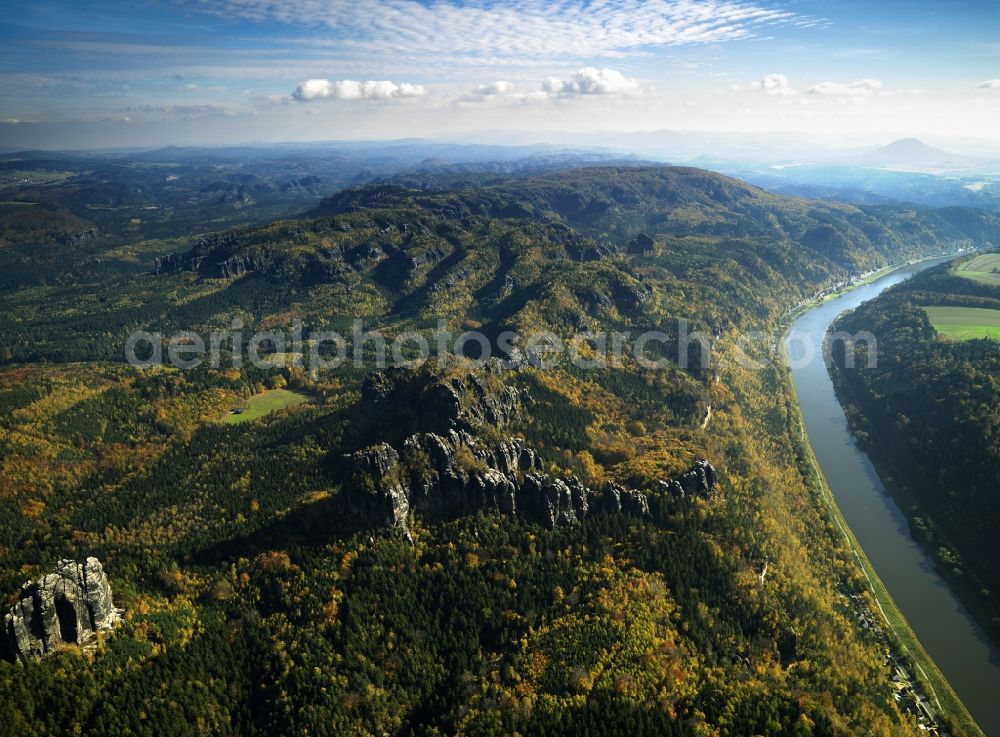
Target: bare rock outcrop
445	476
66	607
81	237
618	499
379	494
430	456
641	244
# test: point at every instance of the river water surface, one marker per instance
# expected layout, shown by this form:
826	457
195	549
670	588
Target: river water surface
955	642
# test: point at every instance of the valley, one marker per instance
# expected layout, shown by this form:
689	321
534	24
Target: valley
931	432
902	572
329	550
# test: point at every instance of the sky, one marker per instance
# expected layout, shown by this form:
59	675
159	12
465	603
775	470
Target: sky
90	73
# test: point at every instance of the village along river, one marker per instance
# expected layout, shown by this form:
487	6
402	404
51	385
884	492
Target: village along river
955	642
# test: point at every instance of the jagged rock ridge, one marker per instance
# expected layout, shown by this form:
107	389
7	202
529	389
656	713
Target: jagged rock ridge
66	607
445	469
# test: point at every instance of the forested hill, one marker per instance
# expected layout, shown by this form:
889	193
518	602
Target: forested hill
612	246
930	413
615	202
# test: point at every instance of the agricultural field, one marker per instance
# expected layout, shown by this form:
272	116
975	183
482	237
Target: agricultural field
264	404
984	269
965	323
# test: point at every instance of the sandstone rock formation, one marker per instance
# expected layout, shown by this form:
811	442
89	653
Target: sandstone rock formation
641	244
699	480
379	496
618	499
78	239
441	466
66	607
449	475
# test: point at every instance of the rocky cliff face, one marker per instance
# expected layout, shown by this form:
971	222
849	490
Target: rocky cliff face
66	607
81	237
449	475
447	469
641	244
699	480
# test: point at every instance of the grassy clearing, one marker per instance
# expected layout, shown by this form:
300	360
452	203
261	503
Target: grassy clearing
265	403
984	269
965	323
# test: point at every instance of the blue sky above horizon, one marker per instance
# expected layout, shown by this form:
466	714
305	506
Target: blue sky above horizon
94	73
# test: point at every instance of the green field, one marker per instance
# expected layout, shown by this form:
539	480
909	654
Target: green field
965	323
984	269
265	403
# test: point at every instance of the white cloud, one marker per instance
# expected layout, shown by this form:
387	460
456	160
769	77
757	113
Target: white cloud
495	88
536	96
990	84
505	30
179	109
774	84
410	90
486	92
859	87
586	82
349	89
591	81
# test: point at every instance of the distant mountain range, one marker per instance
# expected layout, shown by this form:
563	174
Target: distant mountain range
909	151
911	154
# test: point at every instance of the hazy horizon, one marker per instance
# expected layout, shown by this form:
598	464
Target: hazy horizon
664	146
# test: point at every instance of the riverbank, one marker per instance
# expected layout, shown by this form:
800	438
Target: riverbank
904	641
911	484
841	288
930	677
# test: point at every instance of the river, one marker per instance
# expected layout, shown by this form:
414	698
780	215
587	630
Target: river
956	643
